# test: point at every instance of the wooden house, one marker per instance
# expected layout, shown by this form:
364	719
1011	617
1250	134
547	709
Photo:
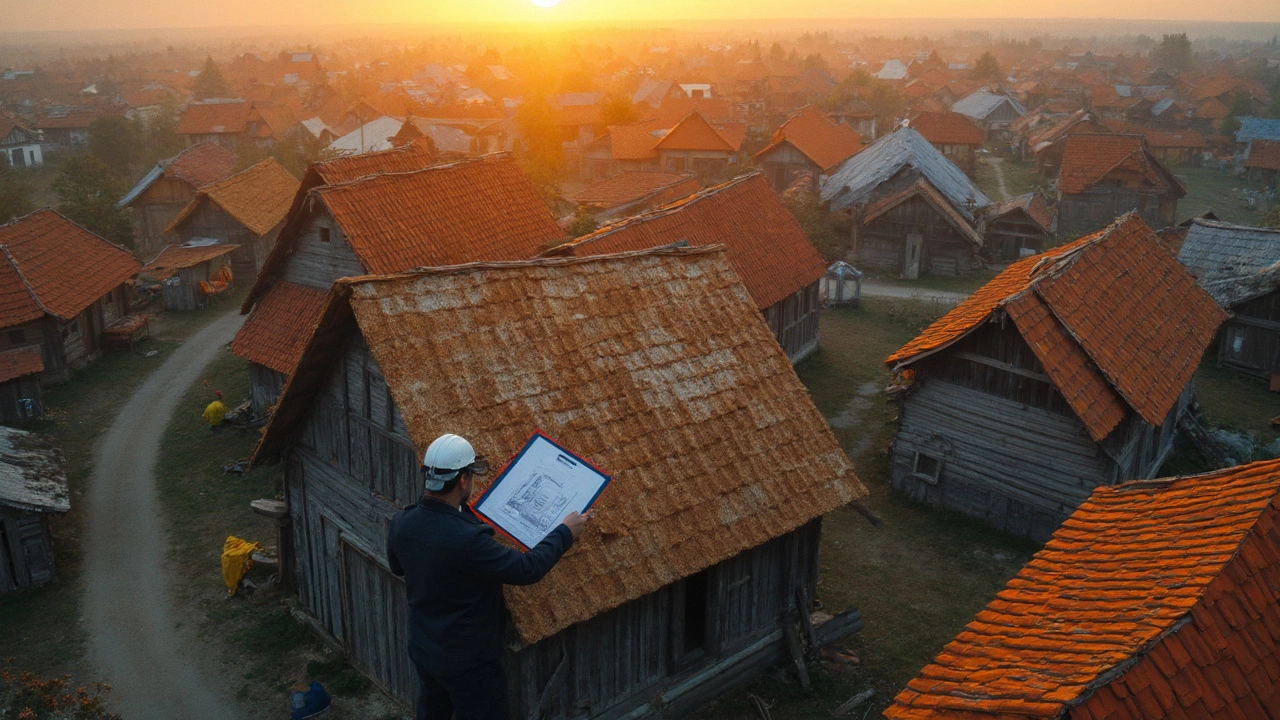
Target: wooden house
375	214
67	127
33	487
633	192
170	186
912	211
1048	142
954	135
1171	147
225	122
1106	176
1114	636
992	112
779	266
1263	162
245	210
703	141
63	287
19	145
806	144
187	275
1017	227
656	366
1069	370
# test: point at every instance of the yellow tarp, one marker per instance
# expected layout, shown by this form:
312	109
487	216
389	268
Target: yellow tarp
236	561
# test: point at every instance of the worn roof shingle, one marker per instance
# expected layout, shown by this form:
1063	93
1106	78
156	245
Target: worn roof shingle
826	143
277	331
257	198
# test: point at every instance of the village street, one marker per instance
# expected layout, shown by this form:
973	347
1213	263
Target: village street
139	642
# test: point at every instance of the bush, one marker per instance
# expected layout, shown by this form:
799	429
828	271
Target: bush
24	696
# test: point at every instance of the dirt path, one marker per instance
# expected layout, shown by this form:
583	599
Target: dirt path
139	643
942	297
996	166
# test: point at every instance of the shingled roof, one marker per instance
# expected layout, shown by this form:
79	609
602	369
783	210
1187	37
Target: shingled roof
633	186
53	266
257	198
1218	251
1088	159
215	118
826	143
198	165
655	365
1114	319
947	128
179	257
282	322
765	243
1155	599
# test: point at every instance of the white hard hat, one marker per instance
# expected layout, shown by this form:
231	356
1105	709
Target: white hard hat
446	456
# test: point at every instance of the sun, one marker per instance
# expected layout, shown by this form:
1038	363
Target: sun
545	3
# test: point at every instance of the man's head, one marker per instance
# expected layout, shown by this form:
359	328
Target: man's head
448	465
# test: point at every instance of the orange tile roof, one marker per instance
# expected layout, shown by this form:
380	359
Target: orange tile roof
949	128
1032	203
826	143
1264	154
1157	138
765	243
54	266
629	187
177	257
1087	159
673	110
257	198
1155	599
20	362
274	121
214	118
351	167
201	164
476	210
695	133
1212	109
276	333
1136	315
636	141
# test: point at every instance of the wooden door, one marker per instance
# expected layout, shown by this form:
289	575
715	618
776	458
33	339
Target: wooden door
911	264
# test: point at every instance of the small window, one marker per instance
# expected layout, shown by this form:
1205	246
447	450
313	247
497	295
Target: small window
324	234
17	337
695	612
927	468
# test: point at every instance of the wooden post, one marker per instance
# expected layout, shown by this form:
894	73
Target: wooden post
797	654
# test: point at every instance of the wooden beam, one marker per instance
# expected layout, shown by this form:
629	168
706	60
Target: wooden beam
797	654
992	362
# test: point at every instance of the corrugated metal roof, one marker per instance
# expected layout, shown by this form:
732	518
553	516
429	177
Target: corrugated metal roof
856	178
31	474
1256	128
982	103
1217	251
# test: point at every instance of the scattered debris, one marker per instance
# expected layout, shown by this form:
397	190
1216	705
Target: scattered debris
761	706
852	703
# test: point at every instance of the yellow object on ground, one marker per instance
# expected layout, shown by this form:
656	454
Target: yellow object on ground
236	561
214	413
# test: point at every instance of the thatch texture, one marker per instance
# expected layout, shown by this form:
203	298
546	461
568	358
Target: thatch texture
656	365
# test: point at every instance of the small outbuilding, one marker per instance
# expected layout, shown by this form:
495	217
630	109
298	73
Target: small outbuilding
33	487
993	112
188	275
655	366
20	395
956	136
1018	227
1155	599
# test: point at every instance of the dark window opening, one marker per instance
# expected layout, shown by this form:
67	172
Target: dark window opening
6	553
927	467
324	235
695	612
17	337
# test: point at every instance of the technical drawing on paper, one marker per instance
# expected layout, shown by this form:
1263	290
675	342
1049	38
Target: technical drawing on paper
540	504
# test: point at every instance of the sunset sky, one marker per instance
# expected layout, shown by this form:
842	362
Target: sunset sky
89	14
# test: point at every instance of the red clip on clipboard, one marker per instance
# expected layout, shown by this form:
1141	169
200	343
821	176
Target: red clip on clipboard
533	492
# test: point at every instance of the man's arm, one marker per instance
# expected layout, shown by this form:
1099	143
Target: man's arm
490	560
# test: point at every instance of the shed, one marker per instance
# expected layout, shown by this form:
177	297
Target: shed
1018	227
912	210
1070	369
768	248
1155	599
245	210
168	187
188	274
1263	162
33	486
1106	176
656	366
993	112
376	214
808	142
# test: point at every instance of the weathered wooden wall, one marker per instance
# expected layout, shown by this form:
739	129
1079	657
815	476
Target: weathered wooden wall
182	290
156	208
317	263
265	386
1007	235
12	394
662	655
26	552
211	222
784	164
794	322
882	242
1099	205
1250	340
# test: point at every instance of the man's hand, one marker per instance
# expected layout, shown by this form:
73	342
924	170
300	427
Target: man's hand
576	523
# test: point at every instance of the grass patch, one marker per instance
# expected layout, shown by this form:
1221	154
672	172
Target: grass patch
1207	189
1020	177
964	284
338	677
41	629
1234	401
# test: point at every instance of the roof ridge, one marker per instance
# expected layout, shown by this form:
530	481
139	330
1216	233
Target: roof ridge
657	212
479	159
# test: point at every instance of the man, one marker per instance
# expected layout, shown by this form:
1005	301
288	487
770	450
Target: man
454	571
215	412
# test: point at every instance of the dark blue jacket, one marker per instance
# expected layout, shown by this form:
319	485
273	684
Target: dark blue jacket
454	571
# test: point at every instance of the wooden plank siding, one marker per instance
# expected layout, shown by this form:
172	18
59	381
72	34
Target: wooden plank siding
1250	340
794	322
212	222
265	386
1100	205
662	655
156	209
881	244
317	262
783	164
26	550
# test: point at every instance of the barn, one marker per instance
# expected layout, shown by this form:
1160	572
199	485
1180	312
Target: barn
653	364
33	487
1071	369
768	248
1018	227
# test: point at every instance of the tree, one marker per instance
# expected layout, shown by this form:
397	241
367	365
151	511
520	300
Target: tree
987	67
15	196
1241	106
818	223
581	223
618	110
116	141
1173	52
209	83
87	193
541	155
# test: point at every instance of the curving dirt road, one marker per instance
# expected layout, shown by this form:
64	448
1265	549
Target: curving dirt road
135	643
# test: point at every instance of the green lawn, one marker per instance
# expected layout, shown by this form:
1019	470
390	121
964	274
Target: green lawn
1236	402
921	575
1207	189
1020	177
